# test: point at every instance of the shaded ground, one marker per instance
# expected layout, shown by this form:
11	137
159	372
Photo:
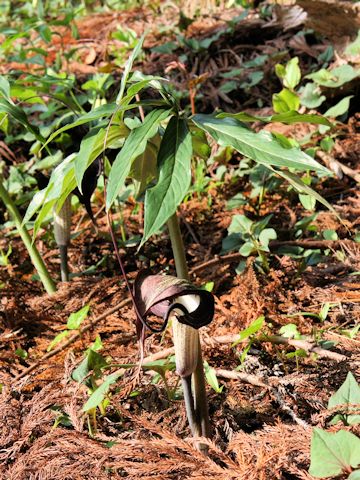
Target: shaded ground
259	432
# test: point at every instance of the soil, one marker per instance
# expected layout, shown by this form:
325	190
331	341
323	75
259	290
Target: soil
259	432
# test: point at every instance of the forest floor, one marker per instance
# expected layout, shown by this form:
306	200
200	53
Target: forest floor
261	421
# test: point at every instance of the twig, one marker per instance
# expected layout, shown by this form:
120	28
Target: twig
259	382
285	407
337	166
308	346
189	228
244	377
233	257
73	338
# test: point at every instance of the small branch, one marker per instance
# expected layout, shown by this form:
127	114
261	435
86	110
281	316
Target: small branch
234	257
307	345
260	382
337	166
73	338
244	377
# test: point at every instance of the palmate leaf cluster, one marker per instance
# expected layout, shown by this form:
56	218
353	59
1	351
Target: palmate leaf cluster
156	153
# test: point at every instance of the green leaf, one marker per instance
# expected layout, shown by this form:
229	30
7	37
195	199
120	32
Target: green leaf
290	331
288	117
143	169
330	234
200	144
307	201
292	73
20	116
353	49
93	362
254	327
76	318
354	475
244	117
247	249
280	71
336	77
93	145
285	101
211	378
4	87
240	224
333	453
96	114
174	163
61	184
134	146
128	67
347	395
310	95
20	352
36	202
160	366
340	108
260	147
300	186
265	236
100	393
59	337
292	116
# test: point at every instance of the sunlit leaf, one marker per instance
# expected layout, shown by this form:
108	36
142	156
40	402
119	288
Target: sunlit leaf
174	164
76	318
336	77
257	146
285	101
253	328
100	393
128	66
134	146
59	338
340	108
333	453
347	395
288	117
211	378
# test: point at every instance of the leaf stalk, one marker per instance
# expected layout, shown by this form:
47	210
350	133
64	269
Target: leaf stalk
195	398
35	256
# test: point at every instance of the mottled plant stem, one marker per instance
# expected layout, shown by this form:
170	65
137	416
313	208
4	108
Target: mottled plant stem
35	256
195	399
64	268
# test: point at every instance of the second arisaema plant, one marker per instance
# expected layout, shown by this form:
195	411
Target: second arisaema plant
155	152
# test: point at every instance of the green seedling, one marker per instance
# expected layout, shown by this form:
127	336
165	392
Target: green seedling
211	378
252	237
250	334
4	256
74	322
321	316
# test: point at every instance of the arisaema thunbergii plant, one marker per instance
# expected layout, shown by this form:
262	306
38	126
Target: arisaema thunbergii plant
189	308
152	141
